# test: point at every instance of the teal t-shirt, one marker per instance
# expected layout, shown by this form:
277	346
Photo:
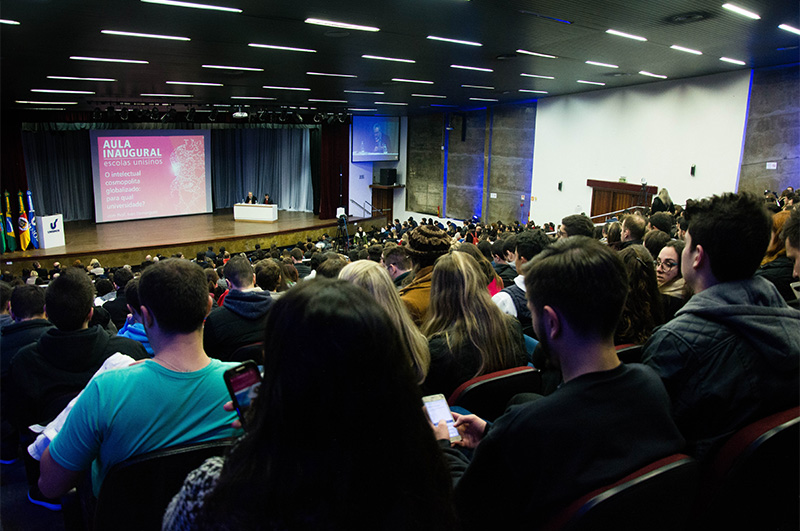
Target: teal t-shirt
133	410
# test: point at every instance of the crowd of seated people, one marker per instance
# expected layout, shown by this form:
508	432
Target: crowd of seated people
419	309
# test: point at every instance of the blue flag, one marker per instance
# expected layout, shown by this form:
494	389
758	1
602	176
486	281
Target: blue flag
32	222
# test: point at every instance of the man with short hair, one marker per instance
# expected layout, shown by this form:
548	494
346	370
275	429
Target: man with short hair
303	270
663	221
5	304
730	356
576	225
605	421
240	321
397	264
633	229
511	300
501	266
118	307
176	398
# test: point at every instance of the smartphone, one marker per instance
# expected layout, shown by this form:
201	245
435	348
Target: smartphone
438	410
243	383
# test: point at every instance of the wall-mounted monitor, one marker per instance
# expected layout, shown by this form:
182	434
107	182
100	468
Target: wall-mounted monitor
375	138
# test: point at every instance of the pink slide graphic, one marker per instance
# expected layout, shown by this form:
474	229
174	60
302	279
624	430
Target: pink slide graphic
150	175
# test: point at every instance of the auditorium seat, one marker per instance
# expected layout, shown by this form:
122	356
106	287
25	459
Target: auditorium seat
252	351
657	497
629	353
487	395
753	482
136	492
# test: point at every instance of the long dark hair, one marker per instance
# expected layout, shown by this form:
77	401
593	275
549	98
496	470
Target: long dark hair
339	439
643	309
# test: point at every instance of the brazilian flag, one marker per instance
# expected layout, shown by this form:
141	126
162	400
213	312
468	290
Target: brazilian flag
10	235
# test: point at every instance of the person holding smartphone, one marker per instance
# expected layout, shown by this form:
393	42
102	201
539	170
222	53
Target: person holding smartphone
337	435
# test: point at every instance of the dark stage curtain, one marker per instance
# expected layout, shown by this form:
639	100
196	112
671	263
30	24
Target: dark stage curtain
334	170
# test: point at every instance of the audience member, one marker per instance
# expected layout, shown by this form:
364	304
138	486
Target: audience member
663	221
374	279
776	266
730	355
104	289
493	281
655	240
297	260
134	324
397	264
118	307
613	230
375	252
137	409
330	268
268	277
607	420
643	309
576	225
467	334
662	203
352	472
633	229
5	304
240	321
670	279
791	236
424	245
500	264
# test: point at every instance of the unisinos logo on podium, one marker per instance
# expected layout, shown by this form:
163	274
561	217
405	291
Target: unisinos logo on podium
52	231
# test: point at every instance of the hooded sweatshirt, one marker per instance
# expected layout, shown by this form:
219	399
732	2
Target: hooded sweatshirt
729	357
238	323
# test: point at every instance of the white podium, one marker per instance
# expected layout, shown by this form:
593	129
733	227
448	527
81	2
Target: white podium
248	212
51	231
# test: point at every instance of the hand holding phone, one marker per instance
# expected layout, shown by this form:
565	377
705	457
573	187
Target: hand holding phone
243	382
438	410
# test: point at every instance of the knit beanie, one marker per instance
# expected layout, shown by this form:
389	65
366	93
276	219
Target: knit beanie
427	241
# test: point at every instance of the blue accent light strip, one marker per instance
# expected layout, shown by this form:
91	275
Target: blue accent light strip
443	213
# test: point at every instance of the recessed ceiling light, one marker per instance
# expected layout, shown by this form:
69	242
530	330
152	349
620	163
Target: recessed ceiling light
354	109
537	76
483	99
365	92
7	21
108	60
144	35
198	83
646	73
343	25
169	95
69	78
483	87
687	50
251	98
284	48
734	61
590	82
48	102
329	75
428	96
463	67
787	27
741	11
626	35
456	41
176	3
537	54
382	58
536	91
389	103
274	87
404	80
55	91
247	68
327	101
607	65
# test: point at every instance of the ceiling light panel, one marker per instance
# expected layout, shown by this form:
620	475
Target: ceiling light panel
384	58
196	83
475	68
536	76
484	99
329	75
168	95
626	35
342	25
282	48
741	11
482	87
376	92
9	22
144	35
590	82
537	54
687	50
792	29
56	91
244	68
404	80
732	61
606	65
70	78
454	41
47	102
275	87
429	96
176	3
108	60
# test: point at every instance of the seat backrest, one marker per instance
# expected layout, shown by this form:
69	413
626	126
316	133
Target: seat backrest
487	395
629	353
136	492
253	351
753	480
659	496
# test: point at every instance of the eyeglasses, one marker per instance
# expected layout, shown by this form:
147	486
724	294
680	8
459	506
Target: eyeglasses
668	264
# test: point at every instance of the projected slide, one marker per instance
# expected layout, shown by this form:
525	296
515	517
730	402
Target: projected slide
150	174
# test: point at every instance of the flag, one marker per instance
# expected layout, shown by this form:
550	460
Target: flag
24	229
32	221
11	236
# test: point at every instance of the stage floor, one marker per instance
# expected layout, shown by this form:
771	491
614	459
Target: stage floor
129	241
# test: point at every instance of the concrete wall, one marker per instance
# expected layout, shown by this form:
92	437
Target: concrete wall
466	144
773	132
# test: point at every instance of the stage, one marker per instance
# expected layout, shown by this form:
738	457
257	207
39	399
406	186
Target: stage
128	242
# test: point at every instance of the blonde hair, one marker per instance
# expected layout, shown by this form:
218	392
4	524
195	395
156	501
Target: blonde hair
663	194
462	311
376	280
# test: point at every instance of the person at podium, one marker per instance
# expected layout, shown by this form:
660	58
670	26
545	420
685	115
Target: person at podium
268	200
250	199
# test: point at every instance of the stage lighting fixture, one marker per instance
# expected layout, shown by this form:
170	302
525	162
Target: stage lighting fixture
190	114
110	113
240	113
97	114
282	117
341	118
299	117
261	115
154	114
212	117
318	117
123	114
331	118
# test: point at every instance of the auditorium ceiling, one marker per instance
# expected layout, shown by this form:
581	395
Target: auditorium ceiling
271	56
